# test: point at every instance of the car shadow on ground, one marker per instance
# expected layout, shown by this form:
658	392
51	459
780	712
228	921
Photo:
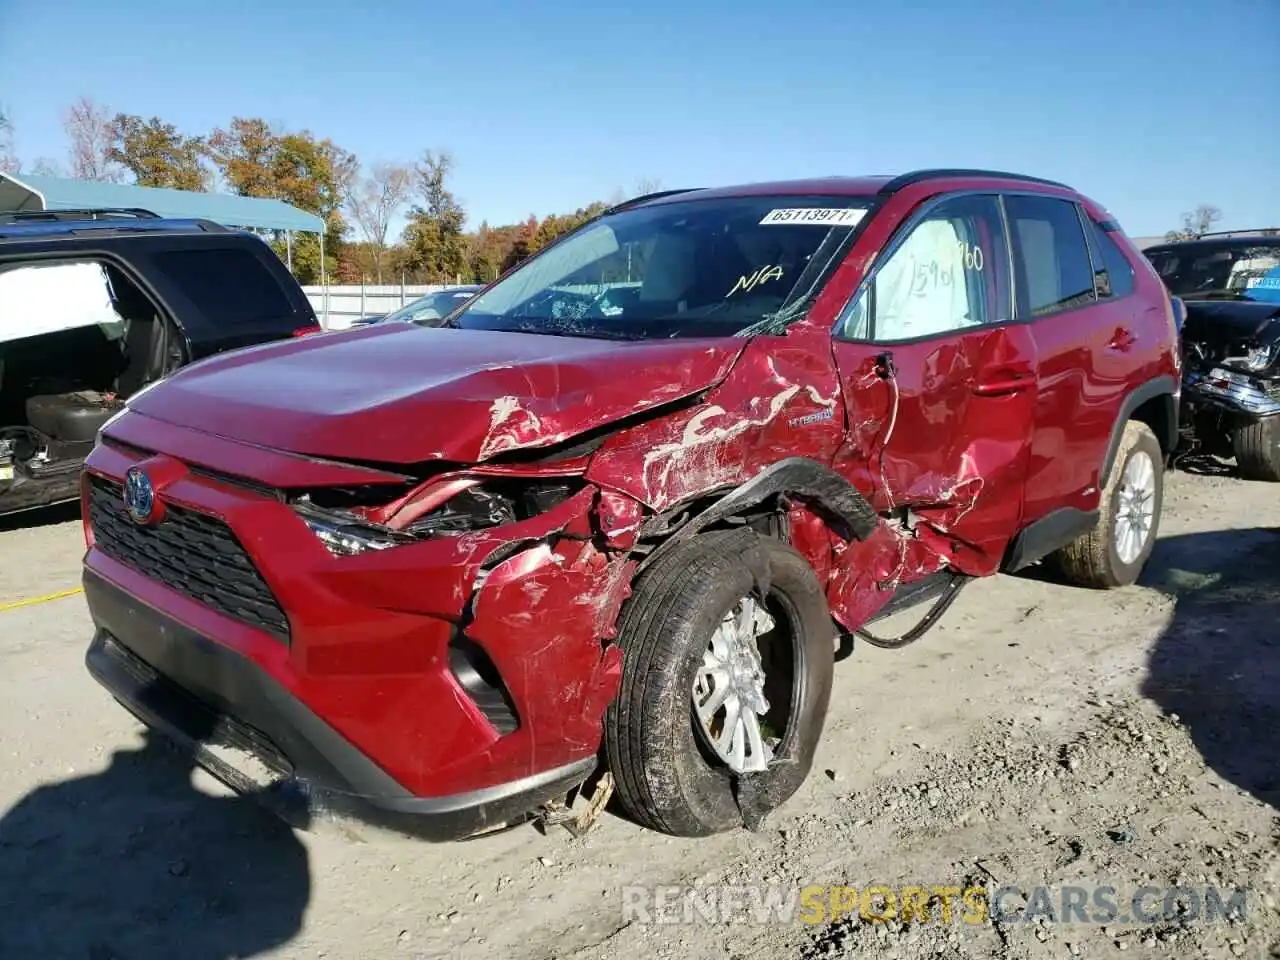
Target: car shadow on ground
1217	664
135	863
41	516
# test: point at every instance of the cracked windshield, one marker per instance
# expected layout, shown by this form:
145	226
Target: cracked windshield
677	269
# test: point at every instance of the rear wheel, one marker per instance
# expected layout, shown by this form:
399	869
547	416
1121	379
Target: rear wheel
1115	551
728	656
1257	450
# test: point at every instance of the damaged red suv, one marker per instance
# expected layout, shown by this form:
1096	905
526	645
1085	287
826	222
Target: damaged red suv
627	507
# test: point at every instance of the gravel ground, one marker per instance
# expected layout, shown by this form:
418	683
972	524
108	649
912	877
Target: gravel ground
1041	737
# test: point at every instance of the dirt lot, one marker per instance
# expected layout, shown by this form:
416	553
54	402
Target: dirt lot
1043	736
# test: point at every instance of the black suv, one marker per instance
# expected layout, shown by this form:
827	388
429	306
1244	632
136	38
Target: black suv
95	305
1230	287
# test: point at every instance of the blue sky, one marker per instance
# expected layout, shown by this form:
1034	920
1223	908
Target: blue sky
547	106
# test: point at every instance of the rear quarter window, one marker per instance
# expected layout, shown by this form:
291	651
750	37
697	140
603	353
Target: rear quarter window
1108	256
229	285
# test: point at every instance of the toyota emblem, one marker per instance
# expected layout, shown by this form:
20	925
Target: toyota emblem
139	495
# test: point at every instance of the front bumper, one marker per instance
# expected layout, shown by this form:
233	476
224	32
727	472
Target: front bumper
1235	391
258	739
474	667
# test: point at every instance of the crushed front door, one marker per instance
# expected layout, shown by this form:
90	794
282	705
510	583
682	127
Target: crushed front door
940	389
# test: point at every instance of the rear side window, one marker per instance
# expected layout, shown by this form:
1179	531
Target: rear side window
1055	271
1107	256
229	285
39	298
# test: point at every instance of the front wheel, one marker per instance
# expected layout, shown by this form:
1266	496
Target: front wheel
728	652
1115	551
1257	449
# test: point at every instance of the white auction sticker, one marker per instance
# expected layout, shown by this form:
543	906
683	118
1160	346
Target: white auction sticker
819	216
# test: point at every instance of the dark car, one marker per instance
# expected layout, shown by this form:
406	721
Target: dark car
641	493
434	306
1230	285
96	306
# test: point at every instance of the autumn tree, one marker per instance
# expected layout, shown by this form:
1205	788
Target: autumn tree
316	176
8	158
157	154
256	159
434	245
89	135
243	155
374	201
488	250
523	245
358	262
556	226
1196	224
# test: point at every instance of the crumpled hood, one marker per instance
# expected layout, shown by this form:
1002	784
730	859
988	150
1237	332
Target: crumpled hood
400	394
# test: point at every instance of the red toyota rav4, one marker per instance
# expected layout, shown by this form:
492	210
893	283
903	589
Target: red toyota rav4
628	505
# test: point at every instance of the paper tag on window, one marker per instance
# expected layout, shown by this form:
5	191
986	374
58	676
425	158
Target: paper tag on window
817	216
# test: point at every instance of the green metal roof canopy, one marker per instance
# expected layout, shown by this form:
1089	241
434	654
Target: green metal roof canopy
25	191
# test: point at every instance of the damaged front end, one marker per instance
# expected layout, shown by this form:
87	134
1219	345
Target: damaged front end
541	572
1231	374
454	630
540	567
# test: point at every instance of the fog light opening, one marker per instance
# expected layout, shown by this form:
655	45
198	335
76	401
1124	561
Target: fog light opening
479	678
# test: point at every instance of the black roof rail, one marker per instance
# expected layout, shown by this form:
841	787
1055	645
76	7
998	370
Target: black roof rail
1259	232
646	197
919	176
83	213
212	226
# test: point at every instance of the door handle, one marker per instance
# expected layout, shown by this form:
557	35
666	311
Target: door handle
1121	340
1001	386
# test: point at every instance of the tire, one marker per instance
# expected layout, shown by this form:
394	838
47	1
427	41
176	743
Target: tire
1257	450
1094	560
666	775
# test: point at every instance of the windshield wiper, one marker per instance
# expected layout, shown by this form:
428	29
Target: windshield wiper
776	323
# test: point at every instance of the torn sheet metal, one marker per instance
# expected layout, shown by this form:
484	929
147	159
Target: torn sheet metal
784	401
541	616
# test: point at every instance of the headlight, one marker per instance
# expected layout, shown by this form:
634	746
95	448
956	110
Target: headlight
1254	358
348	537
1258	359
484	502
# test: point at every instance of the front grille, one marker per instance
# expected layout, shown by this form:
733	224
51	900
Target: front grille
190	552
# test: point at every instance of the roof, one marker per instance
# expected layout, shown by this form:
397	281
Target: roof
846	186
1219	241
28	191
822	186
60	230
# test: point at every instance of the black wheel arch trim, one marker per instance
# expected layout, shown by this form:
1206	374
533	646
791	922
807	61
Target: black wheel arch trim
1161	386
814	483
